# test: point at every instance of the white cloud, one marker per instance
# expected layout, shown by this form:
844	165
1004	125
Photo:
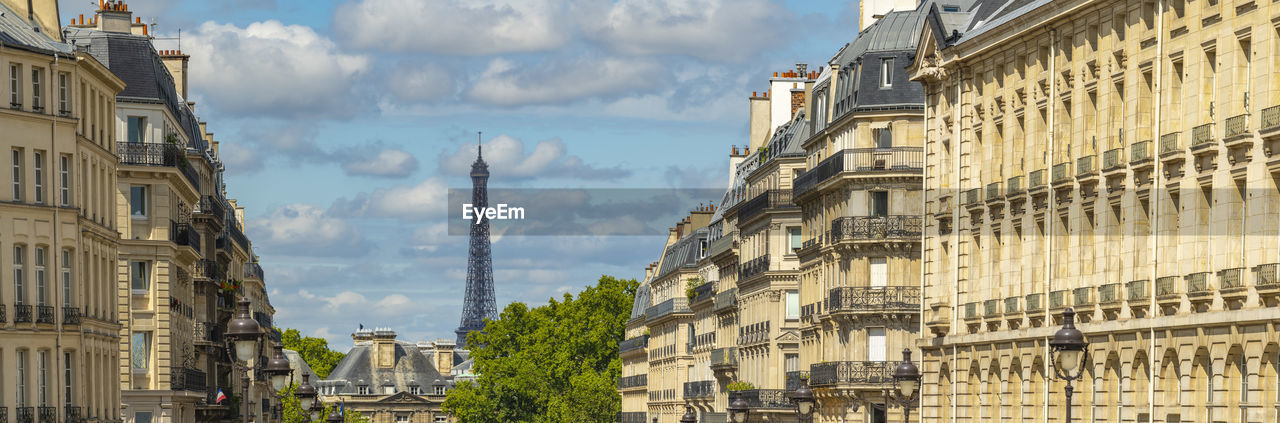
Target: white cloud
452	26
269	68
505	83
390	162
303	229
410	82
425	200
713	30
549	158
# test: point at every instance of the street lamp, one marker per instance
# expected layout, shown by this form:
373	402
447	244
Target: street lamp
906	378
335	416
306	395
278	369
803	397
243	333
738	409
316	409
1066	353
689	416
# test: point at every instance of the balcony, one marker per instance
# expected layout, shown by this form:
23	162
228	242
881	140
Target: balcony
971	311
766	398
1086	167
724	359
222	244
184	235
47	414
663	395
207	332
874	300
700	389
725	300
253	271
70	315
636	381
1061	173
1266	280
973	197
722	244
1168	296
1231	285
158	154
702	292
1198	290
73	414
1112	159
769	200
1109	293
188	379
873	228
1014	186
1136	291
1202	137
893	159
209	269
1236	126
1083	301
1170	147
754	333
237	235
667	308
866	374
993	192
1035	179
795	378
4	317
1140	154
211	207
753	267
1270	118
25	414
1058	299
632	417
702	340
22	313
45	314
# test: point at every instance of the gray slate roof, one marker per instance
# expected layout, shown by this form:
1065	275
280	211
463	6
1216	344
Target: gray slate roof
642	300
357	369
683	253
16	32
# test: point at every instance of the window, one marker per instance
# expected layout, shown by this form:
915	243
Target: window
951	9
140	351
793	304
37	165
402	418
42	294
137	128
140	272
445	419
879	203
138	201
702	249
794	231
17	174
64	181
362	390
875	344
15	86
66	278
388	389
66	361
439	389
142	417
19	278
64	94
883	136
415	389
879	272
37	93
886	72
22	378
42	378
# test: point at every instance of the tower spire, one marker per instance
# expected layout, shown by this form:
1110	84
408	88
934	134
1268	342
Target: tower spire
479	303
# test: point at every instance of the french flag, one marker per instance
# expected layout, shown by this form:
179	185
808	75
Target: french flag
221	396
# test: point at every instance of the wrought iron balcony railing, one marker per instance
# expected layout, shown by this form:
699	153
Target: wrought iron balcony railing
1231	279
184	234
73	414
971	310
158	154
253	271
725	299
795	378
1137	290
860	228
207	332
4	316
70	315
1169	143
633	381
237	235
1058	299
45	314
632	417
768	200
668	307
766	398
1139	151
188	379
1014	186
1109	293
1167	286
1035	179
47	414
873	299
1202	134
1237	125
1061	172
1035	302
1085	166
972	196
753	333
25	414
991	308
22	313
209	269
1011	305
895	159
1198	283
851	373
724	357
1270	118
1265	275
1083	296
753	267
703	292
211	206
700	389
993	191
1111	158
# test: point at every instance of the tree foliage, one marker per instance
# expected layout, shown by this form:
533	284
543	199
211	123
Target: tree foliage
315	351
292	412
554	363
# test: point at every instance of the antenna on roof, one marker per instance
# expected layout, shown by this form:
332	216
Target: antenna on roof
479	143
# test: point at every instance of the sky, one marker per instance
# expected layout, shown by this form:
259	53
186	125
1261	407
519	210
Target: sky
343	123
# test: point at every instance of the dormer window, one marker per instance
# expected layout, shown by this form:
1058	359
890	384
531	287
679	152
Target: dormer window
362	390
951	9
886	72
388	389
439	389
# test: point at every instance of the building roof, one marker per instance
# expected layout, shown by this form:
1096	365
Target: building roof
642	299
134	60
357	369
684	253
16	32
300	367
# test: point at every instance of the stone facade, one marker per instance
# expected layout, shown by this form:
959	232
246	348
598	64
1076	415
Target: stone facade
1115	157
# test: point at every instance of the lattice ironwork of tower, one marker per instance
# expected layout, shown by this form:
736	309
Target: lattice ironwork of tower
480	303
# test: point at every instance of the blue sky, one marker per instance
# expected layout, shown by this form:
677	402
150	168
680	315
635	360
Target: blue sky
342	123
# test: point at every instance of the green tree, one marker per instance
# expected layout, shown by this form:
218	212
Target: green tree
315	351
293	413
554	363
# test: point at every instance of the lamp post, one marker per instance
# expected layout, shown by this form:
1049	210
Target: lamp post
689	415
739	410
906	378
307	398
335	416
243	334
803	397
1066	354
279	374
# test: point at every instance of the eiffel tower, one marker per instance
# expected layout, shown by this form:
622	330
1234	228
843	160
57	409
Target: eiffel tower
479	304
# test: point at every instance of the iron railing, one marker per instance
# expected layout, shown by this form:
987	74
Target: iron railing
671	306
725	299
1265	275
724	357
1061	172
1084	166
766	398
971	310
1011	305
1270	117
73	413
1167	286
1202	134
25	414
1230	278
209	269
1036	179
22	313
188	379
4	316
184	234
700	389
703	292
632	417
1111	158
1083	296
753	333
753	267
44	314
633	381
1237	125
1035	302
70	315
795	378
991	308
4	414
237	235
212	206
1136	290
1140	151
1198	283
158	154
861	160
972	196
876	227
253	271
1108	293
993	191
47	414
1169	143
207	332
873	299
851	372
827	168
771	199
1058	299
1013	186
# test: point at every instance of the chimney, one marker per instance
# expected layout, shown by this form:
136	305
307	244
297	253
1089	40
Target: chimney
701	217
384	348
443	356
176	63
759	120
362	335
114	16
